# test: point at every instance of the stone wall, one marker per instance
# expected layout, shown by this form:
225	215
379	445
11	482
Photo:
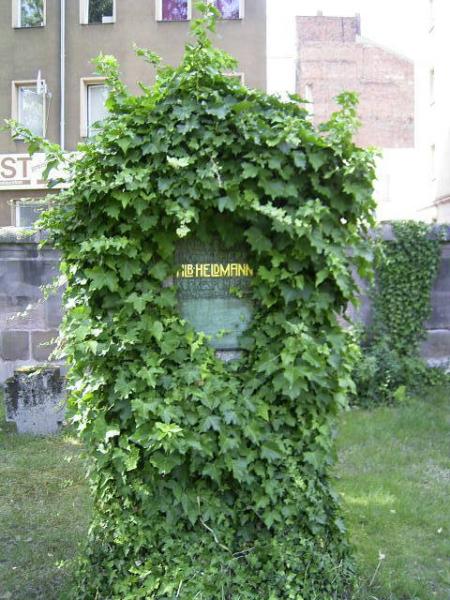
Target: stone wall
27	322
25	267
436	347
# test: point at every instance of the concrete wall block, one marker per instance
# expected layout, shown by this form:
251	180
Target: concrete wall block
23	277
48	253
21	312
15	345
54	311
17	278
437	345
40	344
440	311
11	251
442	283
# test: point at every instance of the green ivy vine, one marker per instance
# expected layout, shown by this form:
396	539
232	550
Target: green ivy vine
406	268
210	479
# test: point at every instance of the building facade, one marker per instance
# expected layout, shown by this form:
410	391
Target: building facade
48	81
333	57
434	111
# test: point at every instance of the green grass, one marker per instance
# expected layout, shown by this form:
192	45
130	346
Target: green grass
393	473
44	512
394	476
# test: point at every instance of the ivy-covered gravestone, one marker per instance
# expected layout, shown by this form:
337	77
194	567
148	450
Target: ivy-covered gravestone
210	476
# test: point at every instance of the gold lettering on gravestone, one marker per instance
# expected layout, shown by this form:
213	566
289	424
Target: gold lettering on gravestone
207	271
214	290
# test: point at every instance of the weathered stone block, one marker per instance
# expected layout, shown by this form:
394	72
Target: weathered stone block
436	347
41	347
442	283
15	278
19	251
15	345
21	312
54	311
35	400
440	311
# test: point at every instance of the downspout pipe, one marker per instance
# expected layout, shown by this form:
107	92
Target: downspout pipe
62	129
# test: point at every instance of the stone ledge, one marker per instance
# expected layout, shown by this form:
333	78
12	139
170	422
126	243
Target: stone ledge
21	235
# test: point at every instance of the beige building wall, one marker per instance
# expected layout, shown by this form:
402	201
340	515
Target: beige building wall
24	52
434	111
27	50
136	23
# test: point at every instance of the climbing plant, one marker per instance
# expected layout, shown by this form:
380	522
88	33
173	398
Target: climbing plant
406	268
210	478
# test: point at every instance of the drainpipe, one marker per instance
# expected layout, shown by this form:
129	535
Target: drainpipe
62	139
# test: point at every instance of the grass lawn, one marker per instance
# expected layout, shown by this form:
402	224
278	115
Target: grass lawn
394	476
393	473
44	513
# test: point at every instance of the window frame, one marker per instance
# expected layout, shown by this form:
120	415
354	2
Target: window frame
84	14
16	16
159	13
15	96
238	74
19	204
241	11
85	83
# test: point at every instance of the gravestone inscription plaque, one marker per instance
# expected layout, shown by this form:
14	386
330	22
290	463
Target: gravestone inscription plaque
214	291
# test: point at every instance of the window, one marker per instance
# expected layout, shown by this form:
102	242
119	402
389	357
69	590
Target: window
93	109
28	212
28	106
97	11
230	9
28	13
173	10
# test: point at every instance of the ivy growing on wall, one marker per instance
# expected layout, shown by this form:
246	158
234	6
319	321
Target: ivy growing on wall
210	479
406	268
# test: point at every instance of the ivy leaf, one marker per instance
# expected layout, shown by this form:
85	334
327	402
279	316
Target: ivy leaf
299	159
132	459
226	203
165	463
249	170
211	422
157	329
257	240
317	159
179	163
270	451
102	278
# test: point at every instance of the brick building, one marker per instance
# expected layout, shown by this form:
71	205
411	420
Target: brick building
333	57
